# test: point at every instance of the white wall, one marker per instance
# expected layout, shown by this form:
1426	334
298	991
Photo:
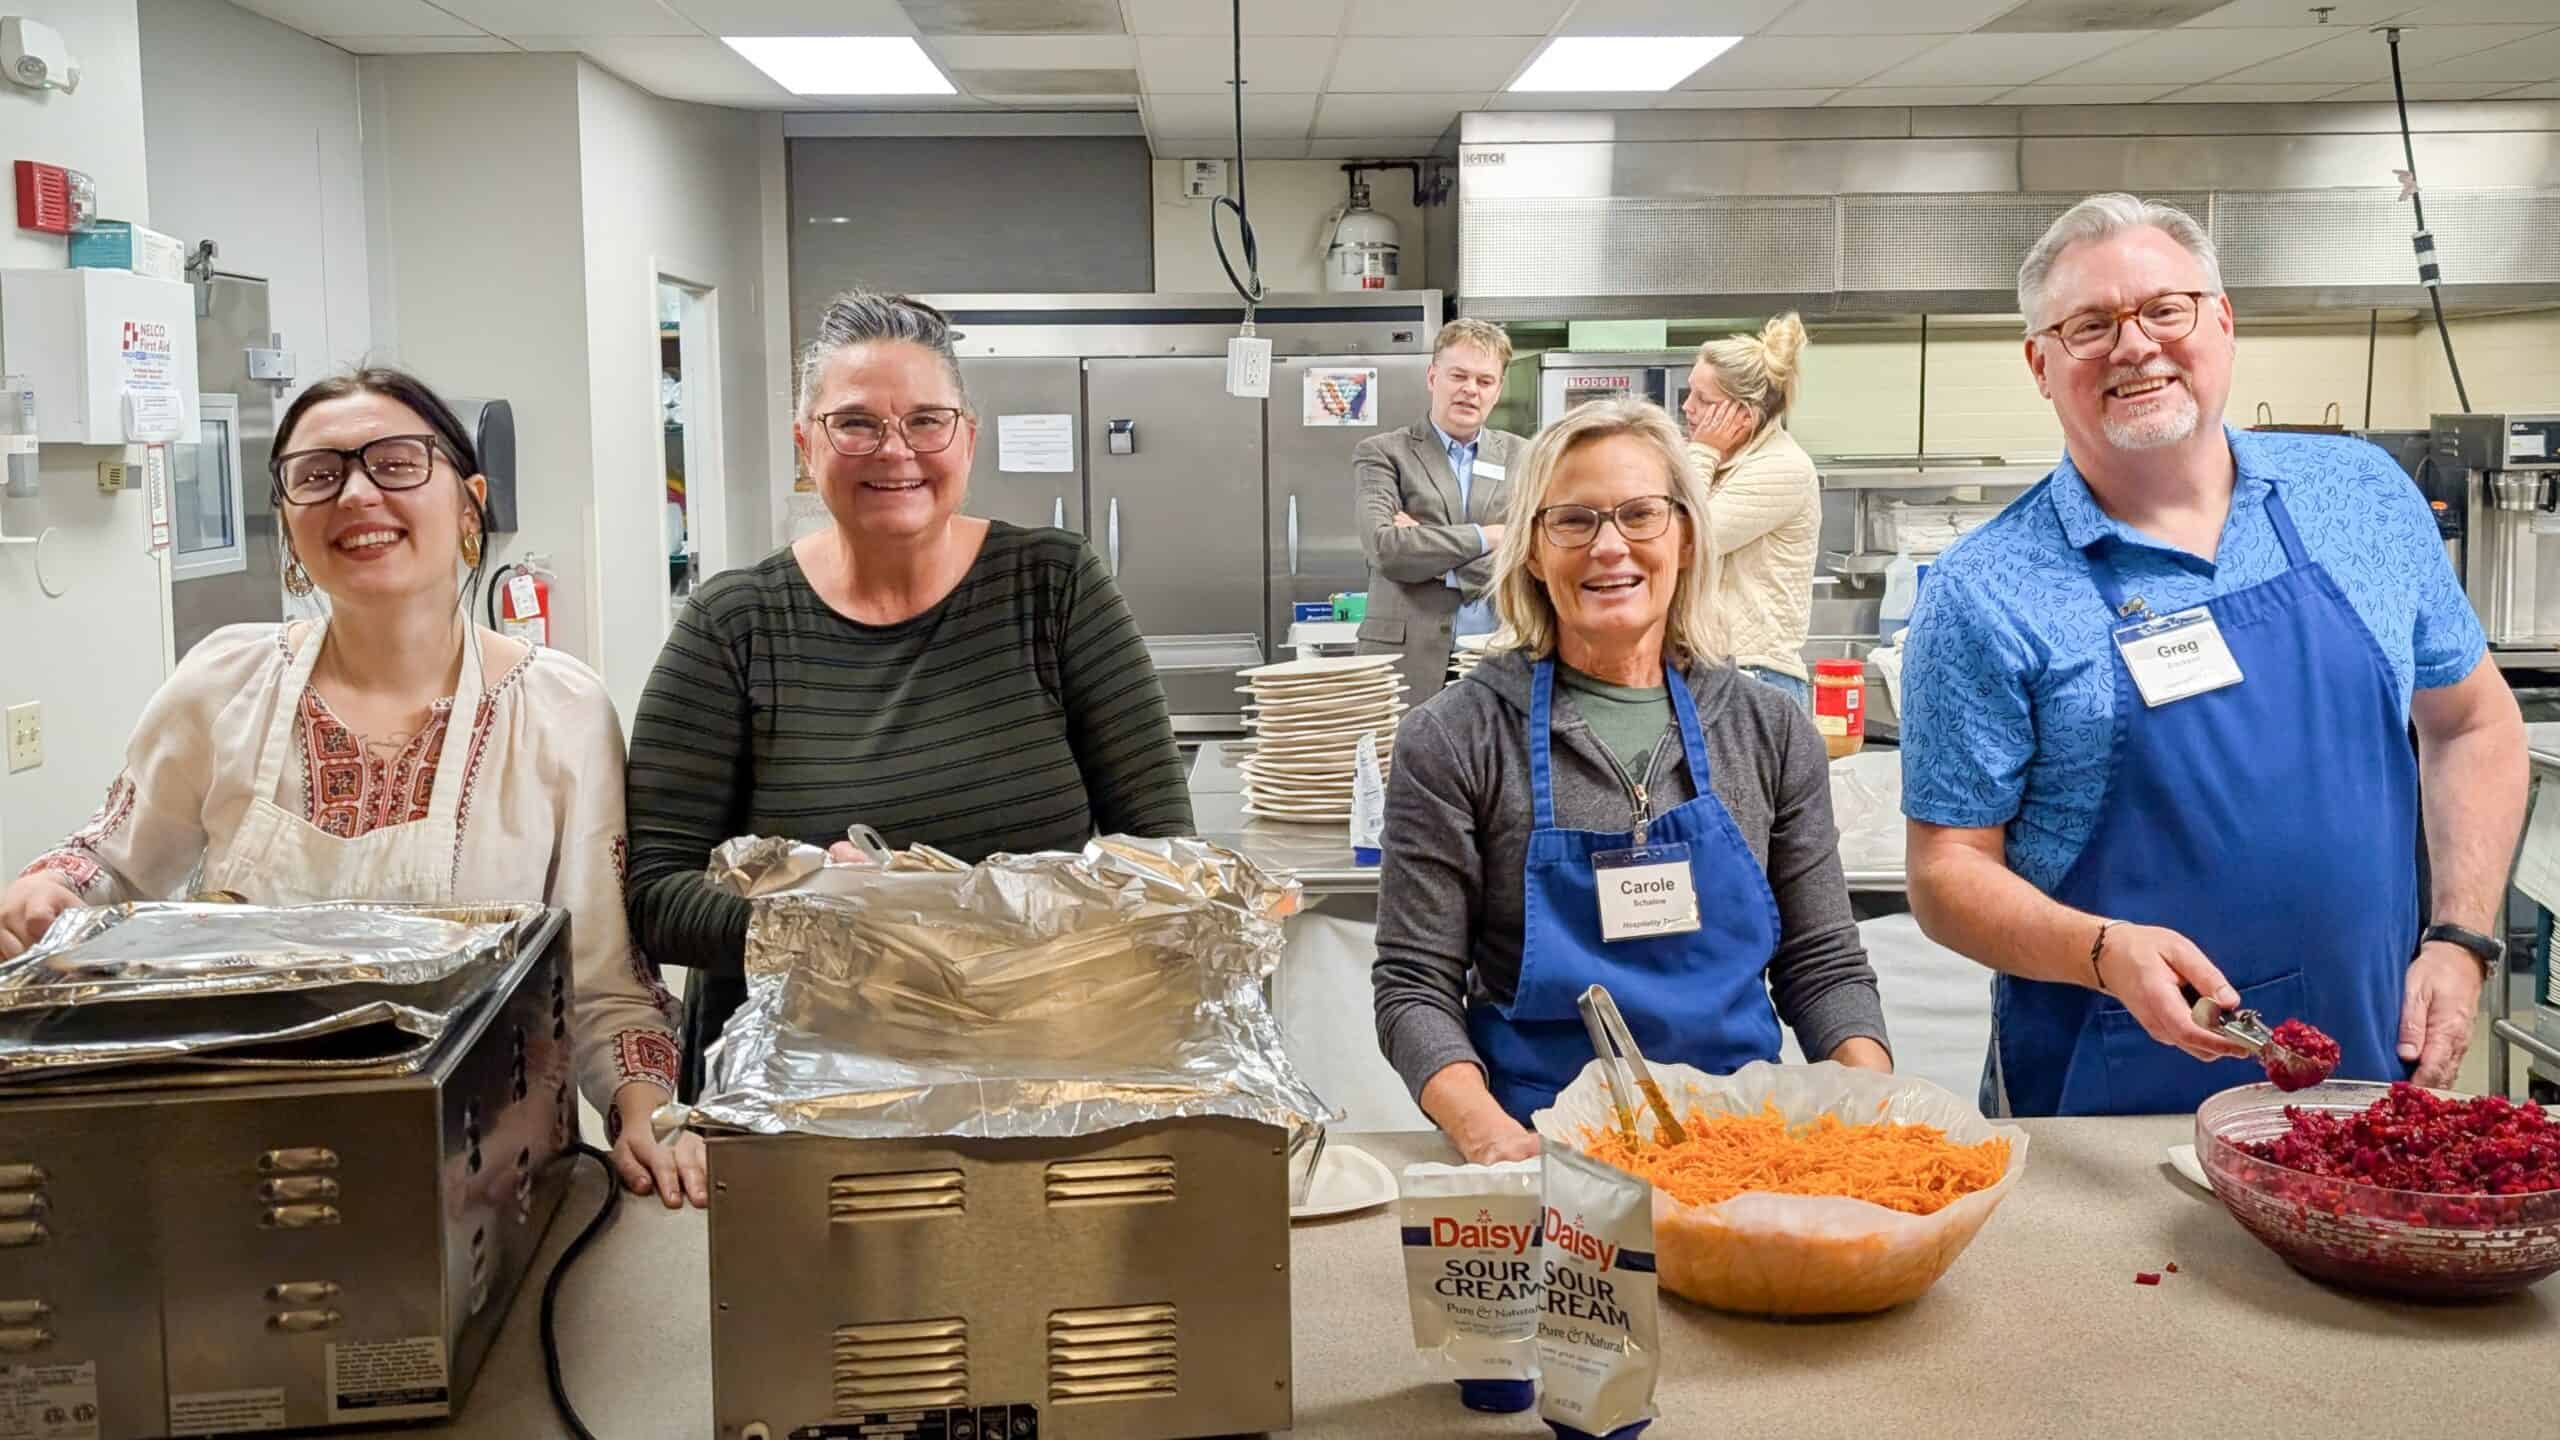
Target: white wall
255	133
473	190
1290	201
93	656
674	189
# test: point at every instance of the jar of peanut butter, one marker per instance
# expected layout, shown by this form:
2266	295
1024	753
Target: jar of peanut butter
1840	705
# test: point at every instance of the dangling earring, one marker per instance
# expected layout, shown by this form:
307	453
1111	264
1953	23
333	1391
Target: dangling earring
297	581
471	547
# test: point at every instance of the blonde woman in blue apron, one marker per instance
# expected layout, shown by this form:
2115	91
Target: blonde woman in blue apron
1605	800
390	750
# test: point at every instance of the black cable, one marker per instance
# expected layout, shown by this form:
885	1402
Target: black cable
2428	274
2372	342
551	1291
1252	293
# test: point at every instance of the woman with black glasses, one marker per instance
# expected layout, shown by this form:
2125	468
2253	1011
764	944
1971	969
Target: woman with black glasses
391	750
943	679
1606	800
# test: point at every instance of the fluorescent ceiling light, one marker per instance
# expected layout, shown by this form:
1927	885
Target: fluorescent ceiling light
843	64
1621	62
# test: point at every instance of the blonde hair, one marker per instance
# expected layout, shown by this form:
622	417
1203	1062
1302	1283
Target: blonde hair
1521	599
1483	334
1760	370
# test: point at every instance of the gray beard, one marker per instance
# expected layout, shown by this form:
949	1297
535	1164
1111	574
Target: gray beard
2169	427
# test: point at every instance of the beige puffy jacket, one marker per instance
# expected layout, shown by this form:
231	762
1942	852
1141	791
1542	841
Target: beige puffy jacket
1764	516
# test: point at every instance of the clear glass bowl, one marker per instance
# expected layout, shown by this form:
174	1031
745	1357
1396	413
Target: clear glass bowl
2402	1243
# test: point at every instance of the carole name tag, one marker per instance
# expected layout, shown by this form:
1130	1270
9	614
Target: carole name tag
1645	891
2175	656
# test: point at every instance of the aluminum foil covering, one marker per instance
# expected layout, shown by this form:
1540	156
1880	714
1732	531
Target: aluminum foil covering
1043	995
276	988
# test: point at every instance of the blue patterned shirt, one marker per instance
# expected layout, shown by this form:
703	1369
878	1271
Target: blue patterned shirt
2008	703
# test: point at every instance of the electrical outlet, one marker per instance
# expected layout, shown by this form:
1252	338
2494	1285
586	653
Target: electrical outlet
26	736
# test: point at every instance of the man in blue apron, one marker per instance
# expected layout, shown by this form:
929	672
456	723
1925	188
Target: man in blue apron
2156	719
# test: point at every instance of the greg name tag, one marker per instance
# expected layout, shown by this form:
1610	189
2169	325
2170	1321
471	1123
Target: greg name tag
2175	656
1489	470
1645	891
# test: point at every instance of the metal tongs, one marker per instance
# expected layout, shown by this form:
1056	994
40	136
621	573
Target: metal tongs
1622	1065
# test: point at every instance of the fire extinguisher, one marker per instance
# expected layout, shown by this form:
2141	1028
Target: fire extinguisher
520	600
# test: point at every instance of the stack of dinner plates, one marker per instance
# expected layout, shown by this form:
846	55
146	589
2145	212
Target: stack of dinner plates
1307	717
1471	652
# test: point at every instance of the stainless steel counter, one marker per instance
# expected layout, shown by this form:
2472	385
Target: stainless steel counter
2039	1333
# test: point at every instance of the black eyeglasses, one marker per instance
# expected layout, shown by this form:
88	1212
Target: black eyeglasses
1574	526
2166	318
927	431
392	462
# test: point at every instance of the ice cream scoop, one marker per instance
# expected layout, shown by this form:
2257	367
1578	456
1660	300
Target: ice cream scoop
2296	1055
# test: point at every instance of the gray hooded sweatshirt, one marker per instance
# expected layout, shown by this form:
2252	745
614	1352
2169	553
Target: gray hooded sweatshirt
1457	832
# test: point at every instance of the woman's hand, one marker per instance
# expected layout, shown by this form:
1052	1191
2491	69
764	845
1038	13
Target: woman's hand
1726	426
1457	1099
675	1171
28	908
1861	1053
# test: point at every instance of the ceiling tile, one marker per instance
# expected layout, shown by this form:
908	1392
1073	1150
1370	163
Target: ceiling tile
1888	17
1386	67
2220	93
2361	56
2423	90
1578	99
1780	62
2084	94
1106	88
2516	62
1917	95
1033	52
699	69
1672	17
1208	147
795	17
1999	59
1453	17
2185	57
1184	65
2547	90
1741	99
1410	114
423	44
1265	116
2299	14
1206	17
1391	147
362	17
573	17
2480	12
1016	17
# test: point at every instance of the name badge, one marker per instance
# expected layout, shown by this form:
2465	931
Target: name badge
1645	891
2175	656
1489	470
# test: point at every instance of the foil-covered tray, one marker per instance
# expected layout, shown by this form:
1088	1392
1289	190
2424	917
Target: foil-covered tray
270	989
1045	995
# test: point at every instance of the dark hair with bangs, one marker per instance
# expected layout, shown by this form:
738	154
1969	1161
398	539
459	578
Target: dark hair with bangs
409	390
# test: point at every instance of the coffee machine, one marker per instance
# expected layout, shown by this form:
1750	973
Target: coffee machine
2510	470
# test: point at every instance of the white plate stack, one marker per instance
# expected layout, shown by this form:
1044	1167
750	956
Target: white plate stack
1307	717
1471	652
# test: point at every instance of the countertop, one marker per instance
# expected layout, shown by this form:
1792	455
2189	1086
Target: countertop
2038	1331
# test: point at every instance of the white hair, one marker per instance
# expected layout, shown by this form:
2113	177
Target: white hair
2098	217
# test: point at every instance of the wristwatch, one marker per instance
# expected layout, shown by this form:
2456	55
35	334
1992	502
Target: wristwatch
2485	949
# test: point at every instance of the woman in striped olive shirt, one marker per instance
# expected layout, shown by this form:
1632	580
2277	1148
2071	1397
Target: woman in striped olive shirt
948	680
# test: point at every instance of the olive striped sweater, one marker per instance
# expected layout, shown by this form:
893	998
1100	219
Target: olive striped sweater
1020	713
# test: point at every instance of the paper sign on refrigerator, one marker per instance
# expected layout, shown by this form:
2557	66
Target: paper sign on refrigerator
1340	396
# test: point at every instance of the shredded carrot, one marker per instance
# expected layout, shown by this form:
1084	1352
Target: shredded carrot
1911	1168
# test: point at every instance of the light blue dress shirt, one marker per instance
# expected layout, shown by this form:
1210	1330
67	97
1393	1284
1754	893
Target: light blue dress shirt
1475	617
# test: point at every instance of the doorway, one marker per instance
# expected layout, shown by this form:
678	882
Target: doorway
689	419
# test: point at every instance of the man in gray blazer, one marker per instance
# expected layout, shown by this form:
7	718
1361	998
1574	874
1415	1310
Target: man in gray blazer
1431	504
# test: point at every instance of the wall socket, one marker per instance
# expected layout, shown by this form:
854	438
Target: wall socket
26	736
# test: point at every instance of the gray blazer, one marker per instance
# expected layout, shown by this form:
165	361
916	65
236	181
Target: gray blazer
1412	611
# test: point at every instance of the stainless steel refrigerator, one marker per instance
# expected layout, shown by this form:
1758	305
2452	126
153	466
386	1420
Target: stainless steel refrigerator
1216	513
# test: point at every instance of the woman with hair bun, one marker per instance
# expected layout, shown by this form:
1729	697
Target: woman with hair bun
1764	506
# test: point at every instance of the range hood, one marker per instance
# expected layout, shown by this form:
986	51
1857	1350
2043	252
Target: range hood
1890	211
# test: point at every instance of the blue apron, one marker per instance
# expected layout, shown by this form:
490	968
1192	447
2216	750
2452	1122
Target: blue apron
2274	823
1698	999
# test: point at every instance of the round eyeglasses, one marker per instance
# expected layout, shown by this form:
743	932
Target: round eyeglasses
2166	318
